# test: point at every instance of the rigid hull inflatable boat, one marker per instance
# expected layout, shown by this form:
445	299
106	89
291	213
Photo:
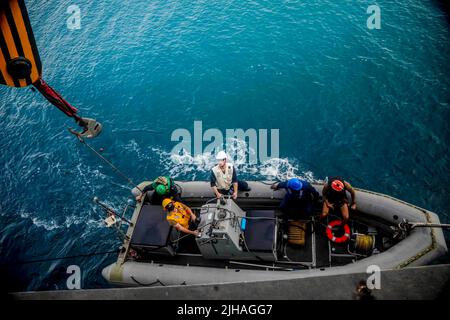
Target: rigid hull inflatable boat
248	240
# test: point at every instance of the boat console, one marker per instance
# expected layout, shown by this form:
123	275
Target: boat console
228	232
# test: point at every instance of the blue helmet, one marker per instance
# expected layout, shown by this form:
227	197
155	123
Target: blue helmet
295	184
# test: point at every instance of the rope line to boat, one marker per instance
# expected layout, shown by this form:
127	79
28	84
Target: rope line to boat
128	179
148	284
62	258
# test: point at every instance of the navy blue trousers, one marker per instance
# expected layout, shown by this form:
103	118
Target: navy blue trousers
296	208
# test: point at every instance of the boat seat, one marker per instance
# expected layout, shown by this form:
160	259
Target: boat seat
260	233
151	229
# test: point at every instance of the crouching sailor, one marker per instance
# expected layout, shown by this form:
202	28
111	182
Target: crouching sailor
335	197
162	187
300	197
181	216
224	178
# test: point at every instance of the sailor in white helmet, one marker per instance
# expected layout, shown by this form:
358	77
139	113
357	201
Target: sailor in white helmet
224	178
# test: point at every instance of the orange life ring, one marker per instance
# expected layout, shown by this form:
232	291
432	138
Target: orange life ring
344	238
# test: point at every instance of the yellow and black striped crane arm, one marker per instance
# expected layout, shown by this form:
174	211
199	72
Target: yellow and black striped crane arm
20	64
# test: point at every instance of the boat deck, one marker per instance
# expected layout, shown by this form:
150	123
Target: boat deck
317	251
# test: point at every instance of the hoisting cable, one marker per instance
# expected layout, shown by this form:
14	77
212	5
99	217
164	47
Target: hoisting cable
56	99
80	138
62	258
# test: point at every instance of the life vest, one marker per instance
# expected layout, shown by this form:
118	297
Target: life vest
333	195
179	215
223	179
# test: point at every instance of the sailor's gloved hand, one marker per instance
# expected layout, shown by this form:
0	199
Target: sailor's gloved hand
274	186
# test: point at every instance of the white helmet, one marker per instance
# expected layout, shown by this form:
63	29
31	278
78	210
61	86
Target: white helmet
221	155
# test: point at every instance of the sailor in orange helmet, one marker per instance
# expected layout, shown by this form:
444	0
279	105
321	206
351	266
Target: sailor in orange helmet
335	197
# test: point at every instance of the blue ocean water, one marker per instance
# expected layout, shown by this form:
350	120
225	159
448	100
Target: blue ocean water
370	105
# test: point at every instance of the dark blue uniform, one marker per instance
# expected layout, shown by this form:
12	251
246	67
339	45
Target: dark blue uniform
298	202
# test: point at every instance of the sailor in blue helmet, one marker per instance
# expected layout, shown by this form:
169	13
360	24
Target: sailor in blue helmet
300	197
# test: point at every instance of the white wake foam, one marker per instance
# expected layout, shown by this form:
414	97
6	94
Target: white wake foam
190	167
52	224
